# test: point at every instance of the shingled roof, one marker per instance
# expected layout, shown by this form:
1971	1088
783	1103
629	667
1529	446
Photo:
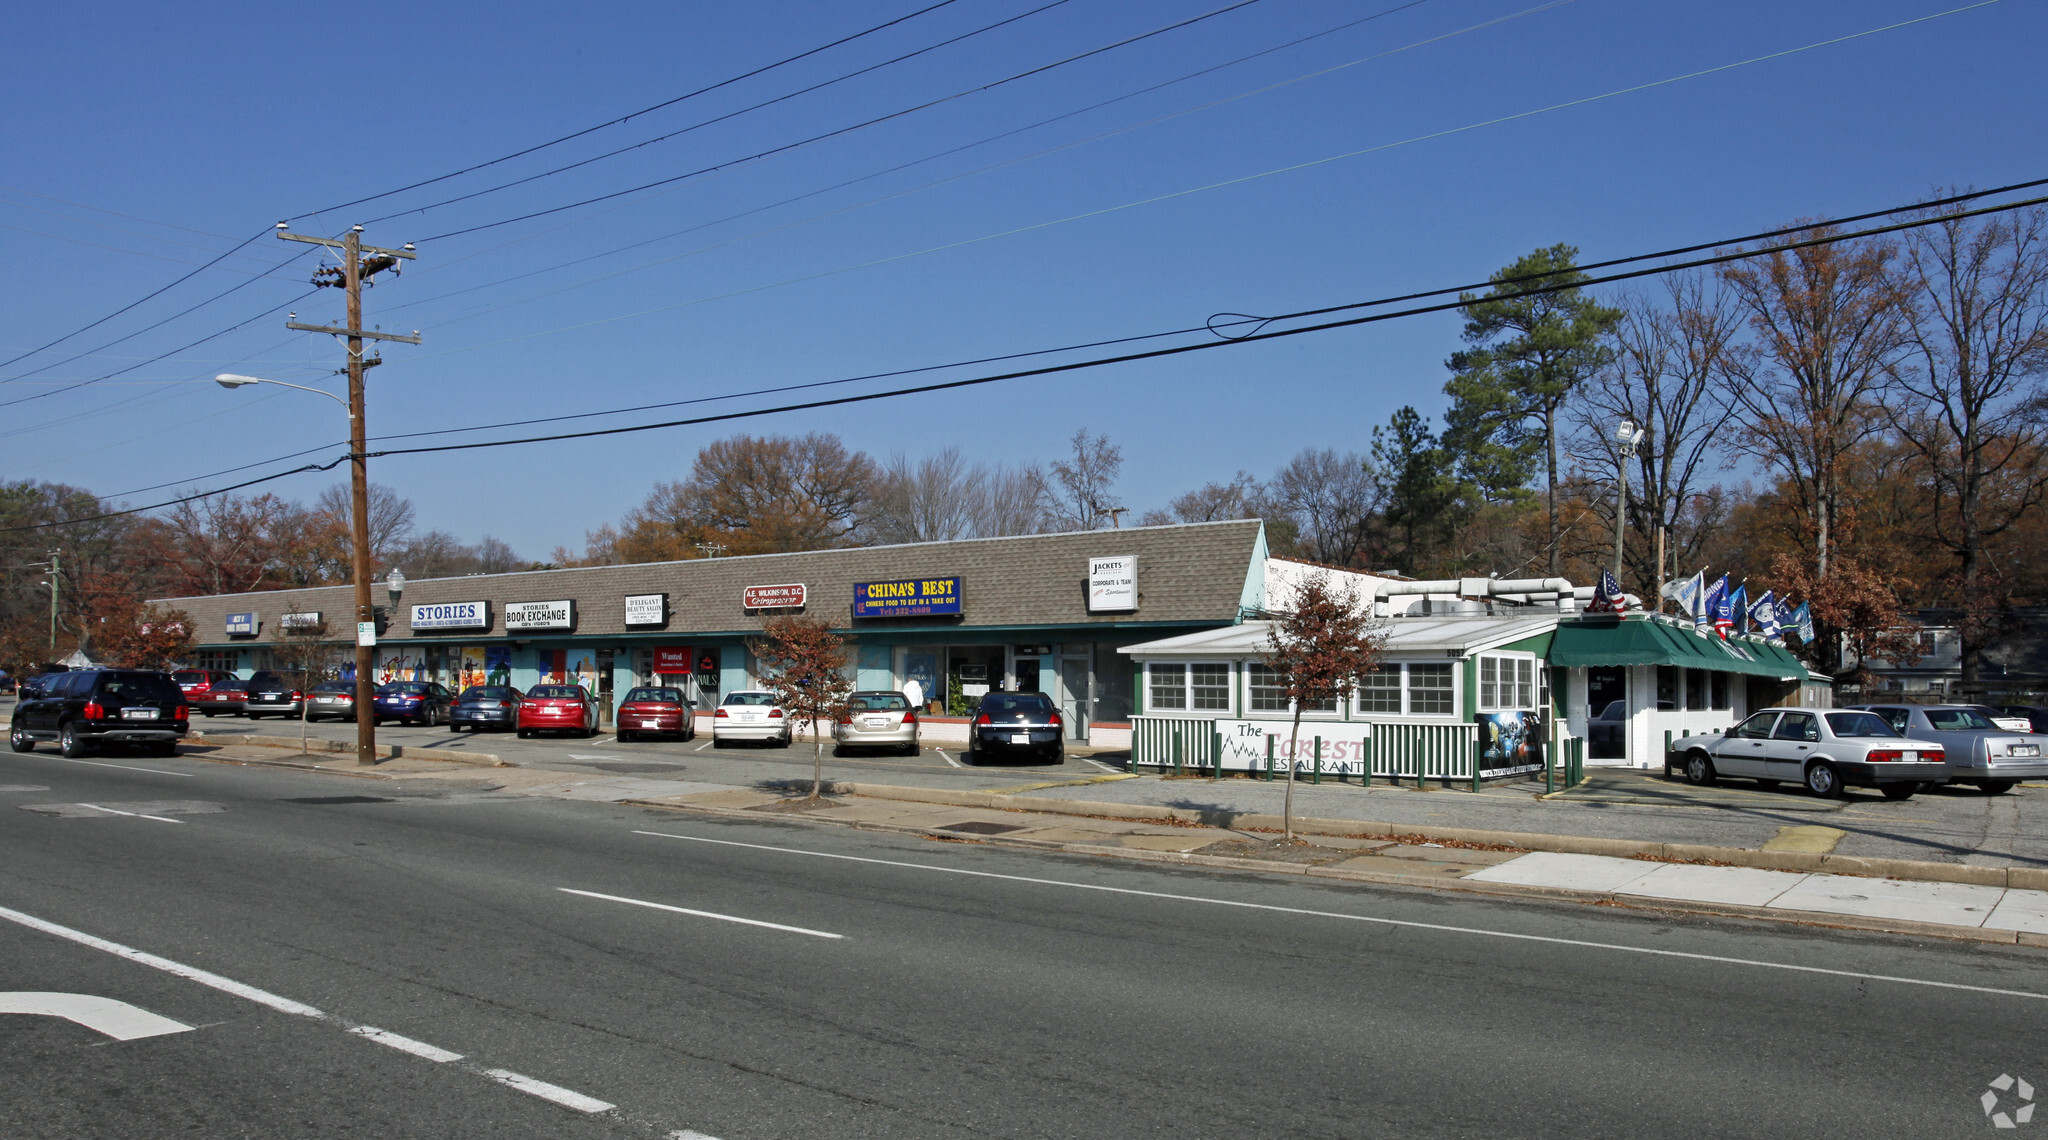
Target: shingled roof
1196	574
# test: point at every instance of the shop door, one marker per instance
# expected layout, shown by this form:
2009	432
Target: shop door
604	687
1075	706
1607	712
1026	671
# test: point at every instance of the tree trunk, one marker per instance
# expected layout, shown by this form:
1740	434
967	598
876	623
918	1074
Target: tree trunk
817	760
1287	798
1969	643
1550	488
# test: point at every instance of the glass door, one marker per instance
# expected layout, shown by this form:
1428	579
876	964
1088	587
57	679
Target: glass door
1075	706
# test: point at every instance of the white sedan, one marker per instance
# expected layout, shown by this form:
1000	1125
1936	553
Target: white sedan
750	714
1825	749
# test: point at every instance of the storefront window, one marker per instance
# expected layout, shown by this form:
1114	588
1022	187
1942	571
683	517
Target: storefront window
1267	694
972	671
1507	683
1166	686
1429	690
1720	693
1201	688
1113	689
1211	685
1667	686
1695	689
1380	690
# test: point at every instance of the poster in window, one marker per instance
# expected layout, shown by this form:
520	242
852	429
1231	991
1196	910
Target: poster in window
473	669
1504	744
497	664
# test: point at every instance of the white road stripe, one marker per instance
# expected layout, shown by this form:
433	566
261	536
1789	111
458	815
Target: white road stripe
116	1019
189	973
701	913
948	759
128	768
1398	922
404	1044
703	746
567	1098
1098	764
131	814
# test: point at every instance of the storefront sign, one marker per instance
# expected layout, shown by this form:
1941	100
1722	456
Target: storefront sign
242	625
789	596
540	615
1347	748
646	609
300	621
1113	583
672	659
914	597
452	615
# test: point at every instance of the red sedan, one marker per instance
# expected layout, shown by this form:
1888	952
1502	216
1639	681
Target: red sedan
651	712
558	708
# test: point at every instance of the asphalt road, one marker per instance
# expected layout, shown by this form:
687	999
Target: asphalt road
890	987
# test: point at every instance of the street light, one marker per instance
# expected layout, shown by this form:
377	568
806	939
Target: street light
359	562
1627	434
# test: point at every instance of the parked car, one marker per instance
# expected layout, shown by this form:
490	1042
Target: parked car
271	694
2036	716
1979	752
413	702
331	700
1827	750
878	719
196	683
749	714
558	708
86	709
655	711
223	698
1016	725
2011	722
486	706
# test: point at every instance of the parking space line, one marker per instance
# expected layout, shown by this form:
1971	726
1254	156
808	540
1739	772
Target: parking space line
948	759
701	913
131	814
703	746
1097	763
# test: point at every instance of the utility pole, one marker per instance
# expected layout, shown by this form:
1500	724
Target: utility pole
351	274
53	605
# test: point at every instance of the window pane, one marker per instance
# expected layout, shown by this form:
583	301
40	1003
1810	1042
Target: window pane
1380	690
1211	687
1695	689
1720	686
1266	692
1525	683
1489	682
1168	686
1429	690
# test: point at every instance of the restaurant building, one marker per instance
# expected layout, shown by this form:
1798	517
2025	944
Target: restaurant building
1036	612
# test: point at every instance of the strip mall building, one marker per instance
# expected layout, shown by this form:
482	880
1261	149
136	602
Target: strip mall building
1147	638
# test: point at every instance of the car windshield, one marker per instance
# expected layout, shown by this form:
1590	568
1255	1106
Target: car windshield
140	687
1858	724
188	676
335	687
1952	720
750	698
555	693
402	689
879	702
487	693
1615	710
1018	703
672	696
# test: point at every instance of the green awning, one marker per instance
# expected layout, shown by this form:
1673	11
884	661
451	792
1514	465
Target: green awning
1638	642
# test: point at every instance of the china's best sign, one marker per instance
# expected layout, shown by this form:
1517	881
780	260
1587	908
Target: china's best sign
913	597
452	615
1113	583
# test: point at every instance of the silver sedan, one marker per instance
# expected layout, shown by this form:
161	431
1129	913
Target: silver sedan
877	719
1979	752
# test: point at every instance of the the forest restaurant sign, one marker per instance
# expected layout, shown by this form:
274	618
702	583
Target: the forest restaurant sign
916	597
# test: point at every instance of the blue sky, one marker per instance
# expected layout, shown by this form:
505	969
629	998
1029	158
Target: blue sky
143	141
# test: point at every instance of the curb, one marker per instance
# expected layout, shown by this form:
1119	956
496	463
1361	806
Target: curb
1519	891
2024	878
384	751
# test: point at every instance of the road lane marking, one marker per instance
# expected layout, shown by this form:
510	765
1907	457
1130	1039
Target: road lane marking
127	767
131	814
565	1097
405	1044
1100	764
948	759
1403	923
703	746
115	1019
702	913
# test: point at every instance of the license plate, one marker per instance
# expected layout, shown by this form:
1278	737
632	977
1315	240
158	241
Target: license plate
876	722
1909	757
138	714
750	716
2025	750
1021	738
650	724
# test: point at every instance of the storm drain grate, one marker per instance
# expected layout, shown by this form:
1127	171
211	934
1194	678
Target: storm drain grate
979	827
341	800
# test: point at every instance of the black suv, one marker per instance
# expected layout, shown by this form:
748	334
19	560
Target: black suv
82	710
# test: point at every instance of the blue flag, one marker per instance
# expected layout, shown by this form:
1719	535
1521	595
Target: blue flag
1800	621
1687	593
1738	608
1763	616
1716	612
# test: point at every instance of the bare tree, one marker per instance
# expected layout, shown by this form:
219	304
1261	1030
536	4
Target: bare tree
934	499
1978	334
391	516
1332	499
1010	503
1078	493
1319	647
1243	497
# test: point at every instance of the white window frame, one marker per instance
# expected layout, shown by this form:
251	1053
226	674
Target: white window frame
1336	711
1399	671
1408	690
1514	662
1187	688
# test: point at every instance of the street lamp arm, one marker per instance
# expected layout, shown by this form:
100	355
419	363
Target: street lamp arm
230	380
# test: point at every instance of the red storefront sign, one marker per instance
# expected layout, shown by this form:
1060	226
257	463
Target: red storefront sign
672	659
789	596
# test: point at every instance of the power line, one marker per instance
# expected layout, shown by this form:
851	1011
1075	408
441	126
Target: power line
722	118
642	111
1820	239
854	127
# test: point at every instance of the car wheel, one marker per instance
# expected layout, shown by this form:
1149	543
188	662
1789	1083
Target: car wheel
911	749
1823	781
68	744
455	728
716	742
627	738
208	712
167	748
18	739
1899	791
1699	771
1996	787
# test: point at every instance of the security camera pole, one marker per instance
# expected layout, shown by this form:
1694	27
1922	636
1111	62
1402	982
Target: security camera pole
349	276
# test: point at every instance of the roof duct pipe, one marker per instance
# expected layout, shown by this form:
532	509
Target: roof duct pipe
1519	589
